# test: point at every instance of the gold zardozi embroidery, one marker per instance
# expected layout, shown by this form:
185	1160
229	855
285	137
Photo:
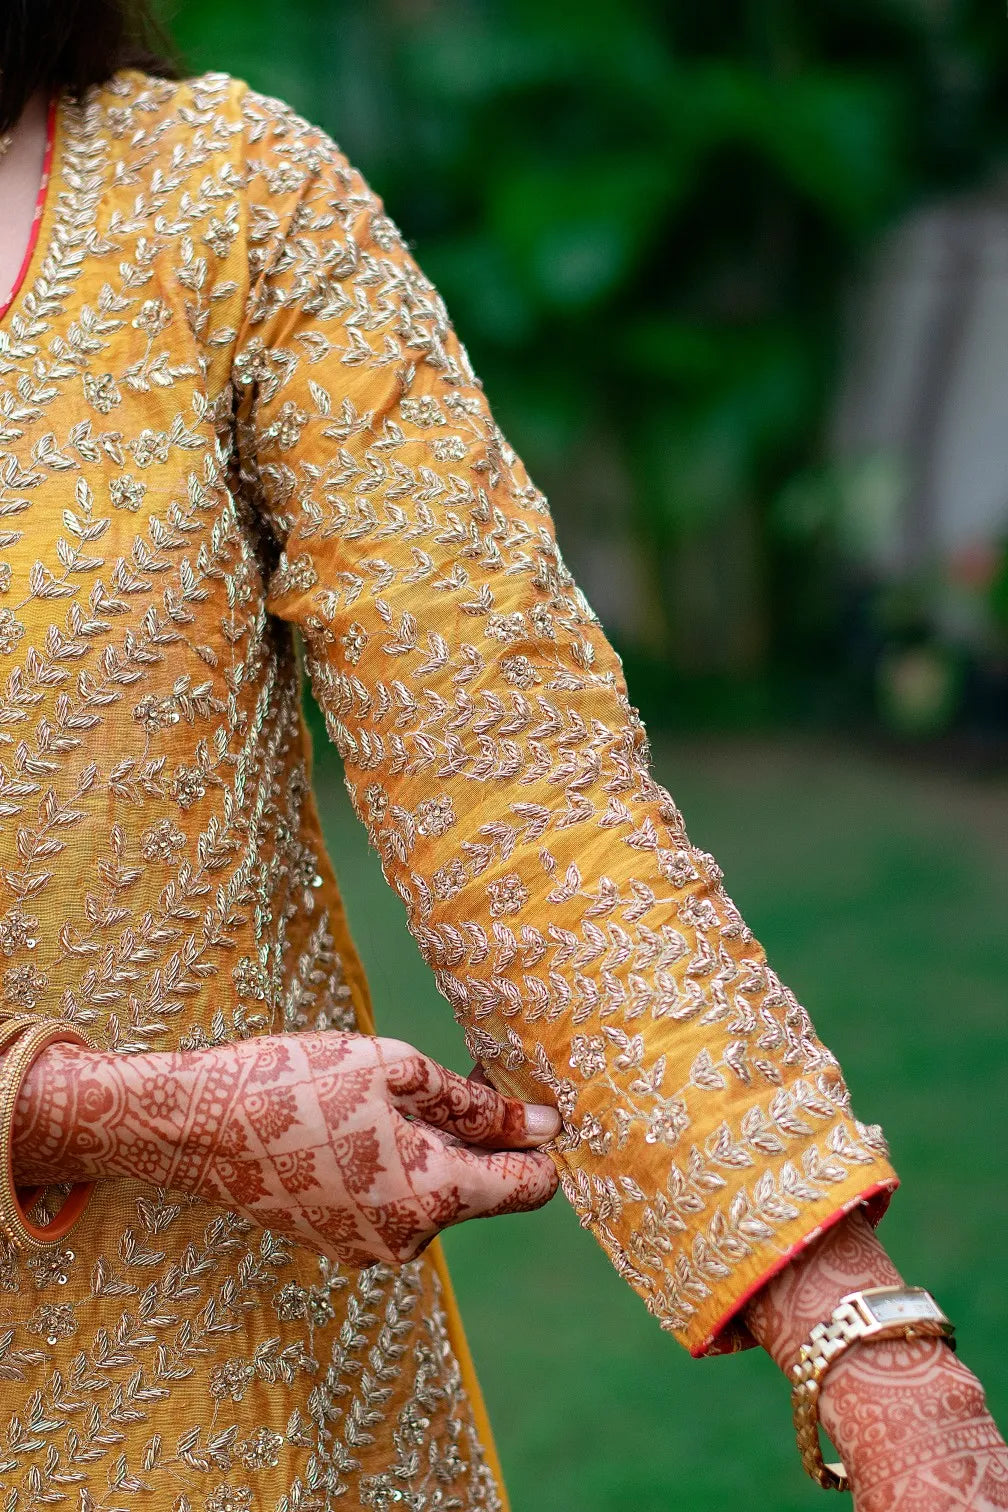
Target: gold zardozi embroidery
232	407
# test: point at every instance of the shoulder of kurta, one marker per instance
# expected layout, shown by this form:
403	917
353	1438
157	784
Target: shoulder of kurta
160	102
212	122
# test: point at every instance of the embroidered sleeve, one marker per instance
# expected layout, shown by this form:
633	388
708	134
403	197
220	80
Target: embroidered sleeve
588	950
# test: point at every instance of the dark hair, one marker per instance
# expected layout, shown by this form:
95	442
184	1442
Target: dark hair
69	44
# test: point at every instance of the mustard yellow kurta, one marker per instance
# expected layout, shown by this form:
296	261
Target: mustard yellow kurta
232	408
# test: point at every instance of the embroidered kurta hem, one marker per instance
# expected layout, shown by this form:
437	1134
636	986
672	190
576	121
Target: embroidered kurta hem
236	421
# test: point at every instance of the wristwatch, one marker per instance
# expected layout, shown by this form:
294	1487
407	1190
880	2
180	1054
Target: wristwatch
878	1312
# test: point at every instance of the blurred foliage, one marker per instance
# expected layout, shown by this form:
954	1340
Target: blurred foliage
644	219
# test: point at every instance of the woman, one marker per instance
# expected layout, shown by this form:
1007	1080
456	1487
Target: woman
234	408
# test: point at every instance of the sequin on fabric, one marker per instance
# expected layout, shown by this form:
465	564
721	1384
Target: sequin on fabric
234	414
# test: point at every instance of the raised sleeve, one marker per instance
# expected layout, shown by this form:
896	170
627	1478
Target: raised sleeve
587	948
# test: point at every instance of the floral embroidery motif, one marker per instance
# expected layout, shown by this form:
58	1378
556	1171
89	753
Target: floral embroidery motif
263	1448
149	447
229	1499
508	895
329	468
102	392
435	816
161	841
54	1321
126	492
588	1054
18	931
231	1379
23	986
11	631
152	317
188	786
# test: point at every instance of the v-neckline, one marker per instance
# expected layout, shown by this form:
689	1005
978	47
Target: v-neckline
41	226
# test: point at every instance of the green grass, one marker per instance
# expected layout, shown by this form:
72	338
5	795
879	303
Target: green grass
879	894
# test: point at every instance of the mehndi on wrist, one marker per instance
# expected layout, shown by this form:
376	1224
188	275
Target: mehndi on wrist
877	1312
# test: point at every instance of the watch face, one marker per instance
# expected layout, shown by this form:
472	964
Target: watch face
902	1304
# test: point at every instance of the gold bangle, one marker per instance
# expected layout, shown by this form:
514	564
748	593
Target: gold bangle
17	1227
11	1028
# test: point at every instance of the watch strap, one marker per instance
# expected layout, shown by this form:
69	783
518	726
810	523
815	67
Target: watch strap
878	1312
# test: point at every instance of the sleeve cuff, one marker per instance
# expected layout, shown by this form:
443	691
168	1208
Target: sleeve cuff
716	1330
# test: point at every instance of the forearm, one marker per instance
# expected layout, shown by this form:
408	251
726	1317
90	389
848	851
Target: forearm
888	1405
846	1258
84	1115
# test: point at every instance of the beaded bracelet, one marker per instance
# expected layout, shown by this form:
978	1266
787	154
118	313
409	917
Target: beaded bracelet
30	1038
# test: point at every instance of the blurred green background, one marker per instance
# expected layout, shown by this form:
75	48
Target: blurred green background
650	224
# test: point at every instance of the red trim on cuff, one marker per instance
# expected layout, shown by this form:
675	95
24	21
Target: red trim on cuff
875	1200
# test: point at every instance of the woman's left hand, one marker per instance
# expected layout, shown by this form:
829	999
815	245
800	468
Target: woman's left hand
911	1424
908	1418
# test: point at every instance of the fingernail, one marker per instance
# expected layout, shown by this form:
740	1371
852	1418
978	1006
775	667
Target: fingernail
541	1119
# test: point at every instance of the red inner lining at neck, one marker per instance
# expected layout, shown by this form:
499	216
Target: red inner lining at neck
40	200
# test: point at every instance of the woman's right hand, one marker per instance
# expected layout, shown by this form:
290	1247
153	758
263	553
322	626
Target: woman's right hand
360	1147
364	1148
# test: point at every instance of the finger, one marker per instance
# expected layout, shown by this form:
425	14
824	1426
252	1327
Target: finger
477	1074
473	1110
513	1181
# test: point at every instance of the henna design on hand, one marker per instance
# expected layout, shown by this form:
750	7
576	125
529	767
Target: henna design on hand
440	1097
357	1157
359	1147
